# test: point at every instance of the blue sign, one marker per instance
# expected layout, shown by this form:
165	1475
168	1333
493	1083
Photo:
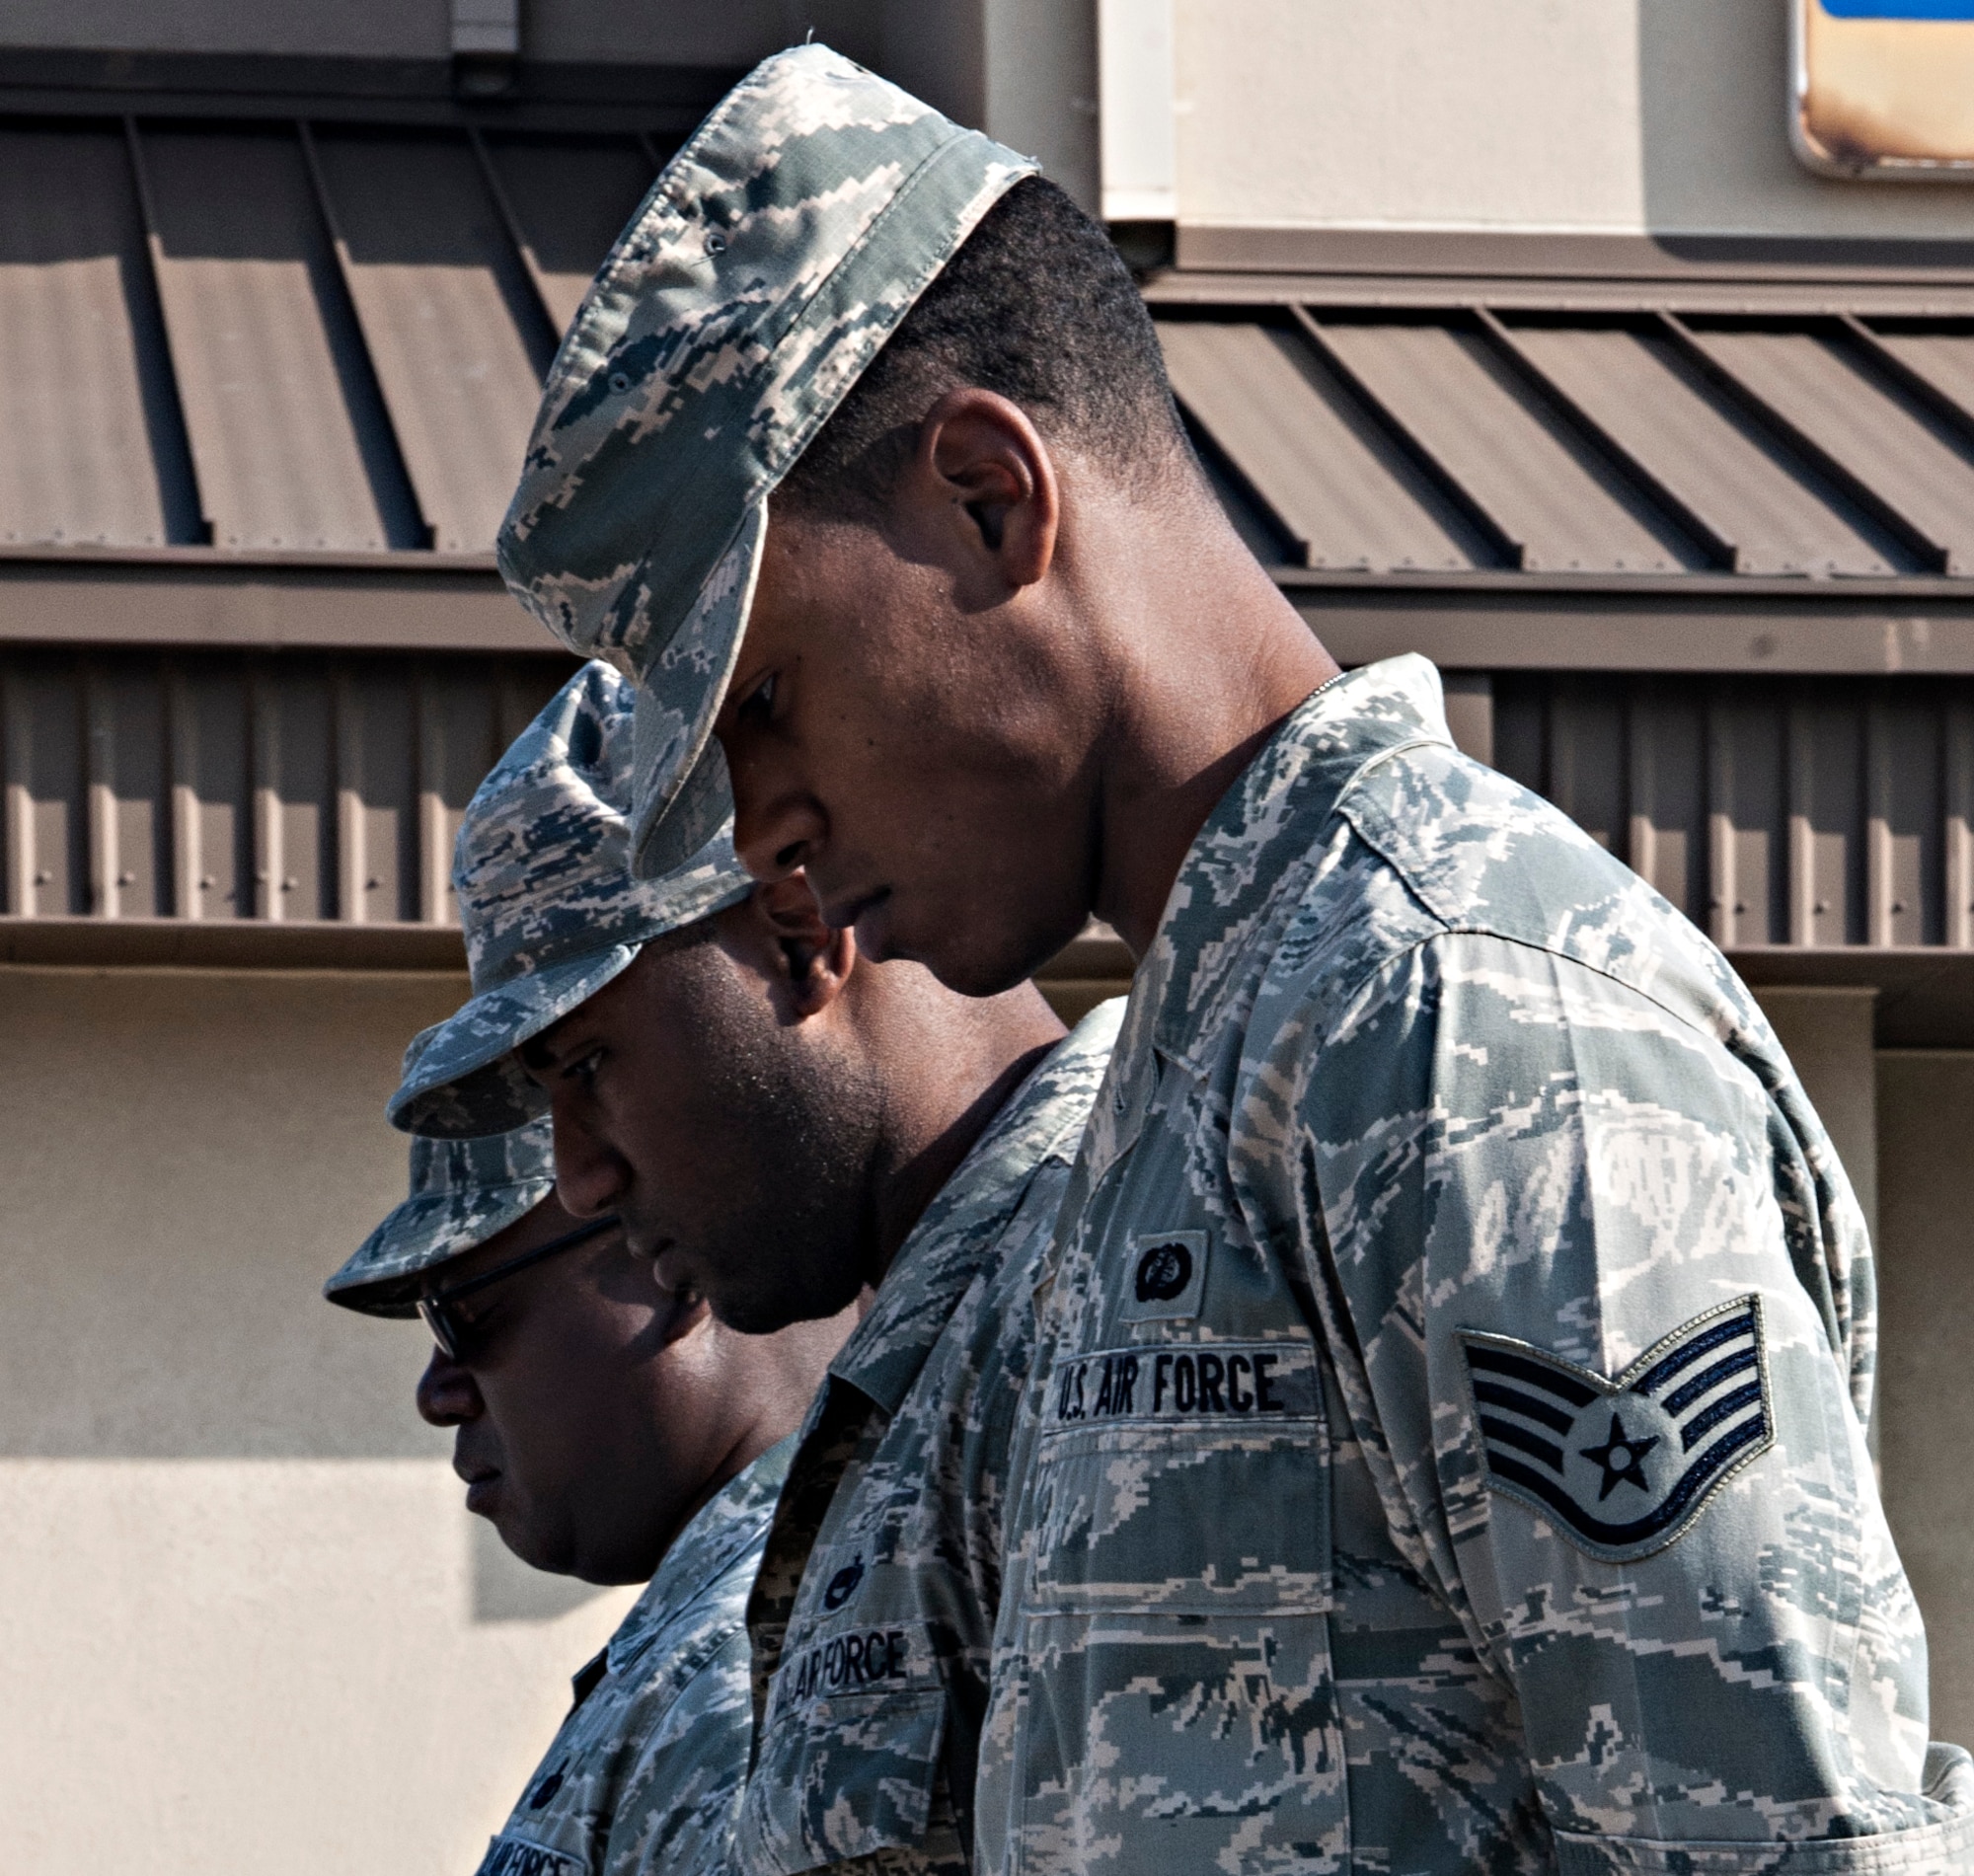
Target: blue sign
1899	9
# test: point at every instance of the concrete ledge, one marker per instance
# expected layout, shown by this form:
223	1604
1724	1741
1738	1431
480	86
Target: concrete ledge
230	944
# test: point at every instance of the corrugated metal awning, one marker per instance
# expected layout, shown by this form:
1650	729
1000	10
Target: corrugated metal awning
283	336
1479	480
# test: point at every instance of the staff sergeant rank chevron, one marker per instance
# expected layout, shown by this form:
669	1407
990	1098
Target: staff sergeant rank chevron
1623	1467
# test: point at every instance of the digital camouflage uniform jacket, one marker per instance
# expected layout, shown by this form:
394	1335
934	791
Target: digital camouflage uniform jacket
874	1615
1445	1452
648	1766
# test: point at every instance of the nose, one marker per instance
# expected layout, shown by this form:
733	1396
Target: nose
777	826
591	1176
448	1395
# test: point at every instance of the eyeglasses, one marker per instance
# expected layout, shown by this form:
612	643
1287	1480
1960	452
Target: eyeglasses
435	1308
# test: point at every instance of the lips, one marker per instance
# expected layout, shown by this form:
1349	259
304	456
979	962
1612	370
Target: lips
482	1483
668	1269
866	914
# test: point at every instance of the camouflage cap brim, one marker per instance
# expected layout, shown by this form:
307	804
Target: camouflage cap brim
467	1082
463	1192
773	258
680	793
549	906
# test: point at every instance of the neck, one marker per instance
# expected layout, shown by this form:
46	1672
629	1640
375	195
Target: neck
1209	658
950	1064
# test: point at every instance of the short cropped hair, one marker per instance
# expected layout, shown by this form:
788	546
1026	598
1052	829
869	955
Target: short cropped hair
1037	306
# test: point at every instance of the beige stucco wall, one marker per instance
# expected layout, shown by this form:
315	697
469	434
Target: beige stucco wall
246	1624
1619	116
1926	1410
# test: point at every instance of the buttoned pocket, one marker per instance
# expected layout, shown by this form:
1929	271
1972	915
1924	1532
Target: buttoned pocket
1183	1478
1935	1850
1151	1741
850	1752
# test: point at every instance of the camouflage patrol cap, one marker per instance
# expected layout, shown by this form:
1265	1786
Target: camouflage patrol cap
542	870
463	1192
774	256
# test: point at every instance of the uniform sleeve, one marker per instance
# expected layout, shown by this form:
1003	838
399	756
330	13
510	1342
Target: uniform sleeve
1554	1246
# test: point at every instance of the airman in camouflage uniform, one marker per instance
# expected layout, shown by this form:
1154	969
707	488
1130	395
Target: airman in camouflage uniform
646	1770
873	1616
1447	1445
1444	1450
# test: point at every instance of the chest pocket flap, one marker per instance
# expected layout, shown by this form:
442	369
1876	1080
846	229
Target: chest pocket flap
850	1751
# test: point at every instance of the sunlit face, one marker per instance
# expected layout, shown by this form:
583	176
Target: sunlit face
591	1409
916	757
736	1146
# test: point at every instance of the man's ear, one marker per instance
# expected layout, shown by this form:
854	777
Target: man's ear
808	961
998	481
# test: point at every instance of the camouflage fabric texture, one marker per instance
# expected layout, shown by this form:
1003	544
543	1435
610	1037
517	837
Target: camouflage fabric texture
1446	1445
463	1192
773	258
647	1767
873	1616
542	870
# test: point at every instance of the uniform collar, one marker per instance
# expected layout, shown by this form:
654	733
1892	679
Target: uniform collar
1266	825
723	1530
1041	1119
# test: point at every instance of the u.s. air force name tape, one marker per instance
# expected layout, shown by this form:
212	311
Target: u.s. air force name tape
1622	1467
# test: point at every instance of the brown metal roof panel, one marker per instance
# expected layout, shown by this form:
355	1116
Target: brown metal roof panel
77	455
1887	440
571	198
1633	386
263	364
456	333
1943	358
1448	388
1339	488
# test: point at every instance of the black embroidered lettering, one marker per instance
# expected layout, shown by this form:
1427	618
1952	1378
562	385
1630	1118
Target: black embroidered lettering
1211	1371
894	1656
1237	1400
1105	1404
1128	1379
1160	1378
1265	1400
853	1658
1185	1384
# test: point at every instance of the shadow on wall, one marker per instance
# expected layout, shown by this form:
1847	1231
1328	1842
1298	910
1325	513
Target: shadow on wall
189	1155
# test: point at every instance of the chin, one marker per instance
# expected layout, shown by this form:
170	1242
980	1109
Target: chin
979	961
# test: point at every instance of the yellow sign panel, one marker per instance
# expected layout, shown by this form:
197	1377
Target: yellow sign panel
1885	87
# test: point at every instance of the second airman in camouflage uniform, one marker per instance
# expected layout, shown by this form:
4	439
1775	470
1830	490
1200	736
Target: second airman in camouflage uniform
646	1770
873	1617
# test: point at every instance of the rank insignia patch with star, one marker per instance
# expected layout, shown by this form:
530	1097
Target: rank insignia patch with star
1622	1467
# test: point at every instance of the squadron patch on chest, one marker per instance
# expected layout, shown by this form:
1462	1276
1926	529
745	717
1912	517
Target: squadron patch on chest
1167	1276
1622	1467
